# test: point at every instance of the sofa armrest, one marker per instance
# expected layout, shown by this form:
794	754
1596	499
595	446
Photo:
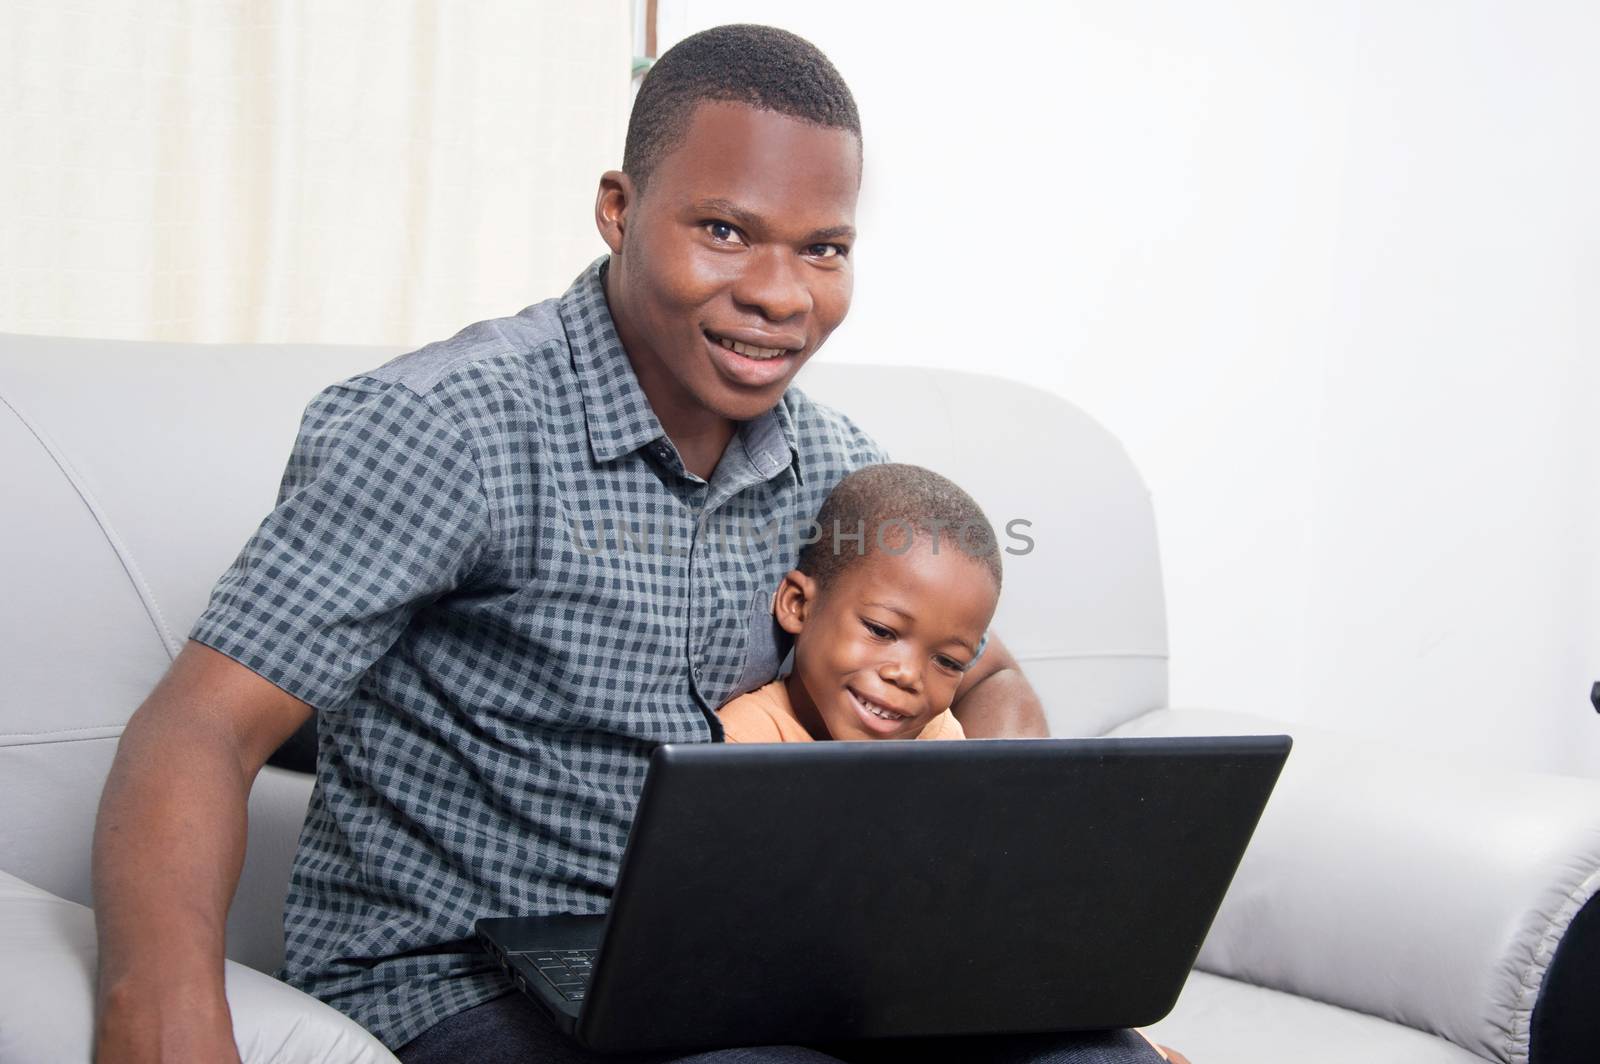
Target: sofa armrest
47	995
1433	894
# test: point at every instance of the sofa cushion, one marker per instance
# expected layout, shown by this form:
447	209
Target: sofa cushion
1224	1021
1408	886
47	985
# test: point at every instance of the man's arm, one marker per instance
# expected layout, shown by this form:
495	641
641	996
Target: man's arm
169	843
995	701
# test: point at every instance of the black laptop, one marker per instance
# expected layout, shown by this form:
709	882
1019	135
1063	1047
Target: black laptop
820	892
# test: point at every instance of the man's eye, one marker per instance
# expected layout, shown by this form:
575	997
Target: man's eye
827	251
722	232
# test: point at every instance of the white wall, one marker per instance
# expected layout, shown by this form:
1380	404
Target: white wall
1329	270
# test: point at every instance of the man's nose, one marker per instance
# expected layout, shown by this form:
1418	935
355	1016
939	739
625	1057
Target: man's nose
772	283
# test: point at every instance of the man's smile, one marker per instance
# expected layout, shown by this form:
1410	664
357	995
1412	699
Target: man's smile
758	347
750	364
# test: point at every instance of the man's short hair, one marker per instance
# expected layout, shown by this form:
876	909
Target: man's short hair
762	66
881	507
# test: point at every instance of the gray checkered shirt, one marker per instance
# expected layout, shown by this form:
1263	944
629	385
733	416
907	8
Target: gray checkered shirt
490	572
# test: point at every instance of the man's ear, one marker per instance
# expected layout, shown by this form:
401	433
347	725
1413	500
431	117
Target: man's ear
794	600
611	205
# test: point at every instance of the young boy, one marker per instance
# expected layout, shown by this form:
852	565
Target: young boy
888	608
885	627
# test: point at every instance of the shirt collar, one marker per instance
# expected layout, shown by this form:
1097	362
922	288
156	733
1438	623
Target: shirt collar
618	414
769	441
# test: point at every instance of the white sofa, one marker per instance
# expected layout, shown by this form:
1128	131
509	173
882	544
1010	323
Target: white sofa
1393	909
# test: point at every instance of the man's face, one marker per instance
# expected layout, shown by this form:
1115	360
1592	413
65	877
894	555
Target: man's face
743	236
880	652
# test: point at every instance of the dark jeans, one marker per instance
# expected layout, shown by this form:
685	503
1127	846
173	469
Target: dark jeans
513	1030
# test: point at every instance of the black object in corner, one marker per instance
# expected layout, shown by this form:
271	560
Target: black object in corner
299	754
1566	1025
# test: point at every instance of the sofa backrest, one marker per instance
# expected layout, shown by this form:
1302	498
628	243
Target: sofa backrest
132	474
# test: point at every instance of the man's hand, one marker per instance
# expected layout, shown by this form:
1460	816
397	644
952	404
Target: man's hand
168	845
995	701
168	1025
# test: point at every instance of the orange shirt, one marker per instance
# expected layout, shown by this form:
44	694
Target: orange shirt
766	715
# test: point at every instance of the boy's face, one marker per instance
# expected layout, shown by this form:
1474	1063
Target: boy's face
742	235
880	652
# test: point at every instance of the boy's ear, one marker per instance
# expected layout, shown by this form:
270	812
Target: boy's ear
794	601
611	205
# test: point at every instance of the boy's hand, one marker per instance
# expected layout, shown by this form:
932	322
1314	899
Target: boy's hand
1172	1056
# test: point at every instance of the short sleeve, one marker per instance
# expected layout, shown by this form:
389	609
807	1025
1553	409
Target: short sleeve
943	727
762	716
381	510
743	721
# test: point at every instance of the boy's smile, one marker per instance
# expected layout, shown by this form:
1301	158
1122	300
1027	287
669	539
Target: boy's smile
732	267
880	651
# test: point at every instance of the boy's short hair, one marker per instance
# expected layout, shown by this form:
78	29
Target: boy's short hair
762	66
878	507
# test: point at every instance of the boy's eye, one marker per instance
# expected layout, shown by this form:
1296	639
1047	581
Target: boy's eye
877	629
951	663
722	232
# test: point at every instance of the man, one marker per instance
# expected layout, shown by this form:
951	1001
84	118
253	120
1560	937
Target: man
489	688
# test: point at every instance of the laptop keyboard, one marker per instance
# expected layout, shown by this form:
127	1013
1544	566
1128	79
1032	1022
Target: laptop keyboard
567	970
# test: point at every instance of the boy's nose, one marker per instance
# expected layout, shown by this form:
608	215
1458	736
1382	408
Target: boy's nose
902	672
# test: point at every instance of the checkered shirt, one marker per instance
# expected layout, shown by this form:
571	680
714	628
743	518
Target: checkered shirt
491	574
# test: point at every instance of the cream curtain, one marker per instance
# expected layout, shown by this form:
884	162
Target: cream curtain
360	171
